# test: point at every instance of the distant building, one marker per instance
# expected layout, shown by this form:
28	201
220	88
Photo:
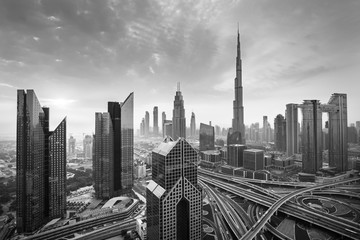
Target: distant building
173	197
156	124
87	145
254	159
72	143
292	130
207	137
168	128
192	125
142	127
114	149
235	155
179	121
147	123
163	117
280	133
265	130
40	165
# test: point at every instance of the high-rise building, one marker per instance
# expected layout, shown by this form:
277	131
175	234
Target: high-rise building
142	127
163	118
192	125
40	165
235	155
72	143
147	123
173	197
114	148
87	144
254	159
156	124
265	130
179	121
311	136
207	137
168	128
291	129
338	149
238	119
280	133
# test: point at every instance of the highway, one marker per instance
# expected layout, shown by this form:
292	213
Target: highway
332	223
275	206
70	230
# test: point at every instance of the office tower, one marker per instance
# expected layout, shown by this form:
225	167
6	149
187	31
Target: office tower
217	130
192	125
265	130
147	123
87	143
156	124
207	137
57	171
173	197
168	128
254	159
311	136
142	127
103	162
338	150
40	165
178	121
162	123
280	133
357	126
235	155
114	148
291	129
72	143
238	119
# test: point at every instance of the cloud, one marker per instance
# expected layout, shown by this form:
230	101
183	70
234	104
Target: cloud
7	85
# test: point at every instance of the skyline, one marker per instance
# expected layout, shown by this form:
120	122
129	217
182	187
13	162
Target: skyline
77	56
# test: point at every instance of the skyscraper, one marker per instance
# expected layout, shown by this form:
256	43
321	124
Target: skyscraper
87	144
207	137
156	124
265	130
338	149
72	143
114	148
174	204
142	127
280	133
291	129
40	165
238	119
311	136
192	125
163	118
147	123
179	121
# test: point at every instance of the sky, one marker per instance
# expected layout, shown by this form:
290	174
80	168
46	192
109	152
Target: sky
78	55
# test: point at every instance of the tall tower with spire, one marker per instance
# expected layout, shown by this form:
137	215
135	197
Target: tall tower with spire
238	119
179	121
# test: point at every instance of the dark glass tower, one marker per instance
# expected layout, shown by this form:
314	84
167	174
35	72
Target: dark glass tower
40	165
207	137
114	149
280	133
179	121
173	195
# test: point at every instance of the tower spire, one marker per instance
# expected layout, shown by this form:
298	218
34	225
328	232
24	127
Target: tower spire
178	86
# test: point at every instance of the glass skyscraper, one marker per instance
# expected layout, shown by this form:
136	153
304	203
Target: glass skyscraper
40	165
114	149
207	137
173	195
178	121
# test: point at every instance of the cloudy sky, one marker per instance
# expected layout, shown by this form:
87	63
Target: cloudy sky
77	55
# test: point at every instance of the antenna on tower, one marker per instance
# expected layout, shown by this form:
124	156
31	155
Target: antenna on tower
178	86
